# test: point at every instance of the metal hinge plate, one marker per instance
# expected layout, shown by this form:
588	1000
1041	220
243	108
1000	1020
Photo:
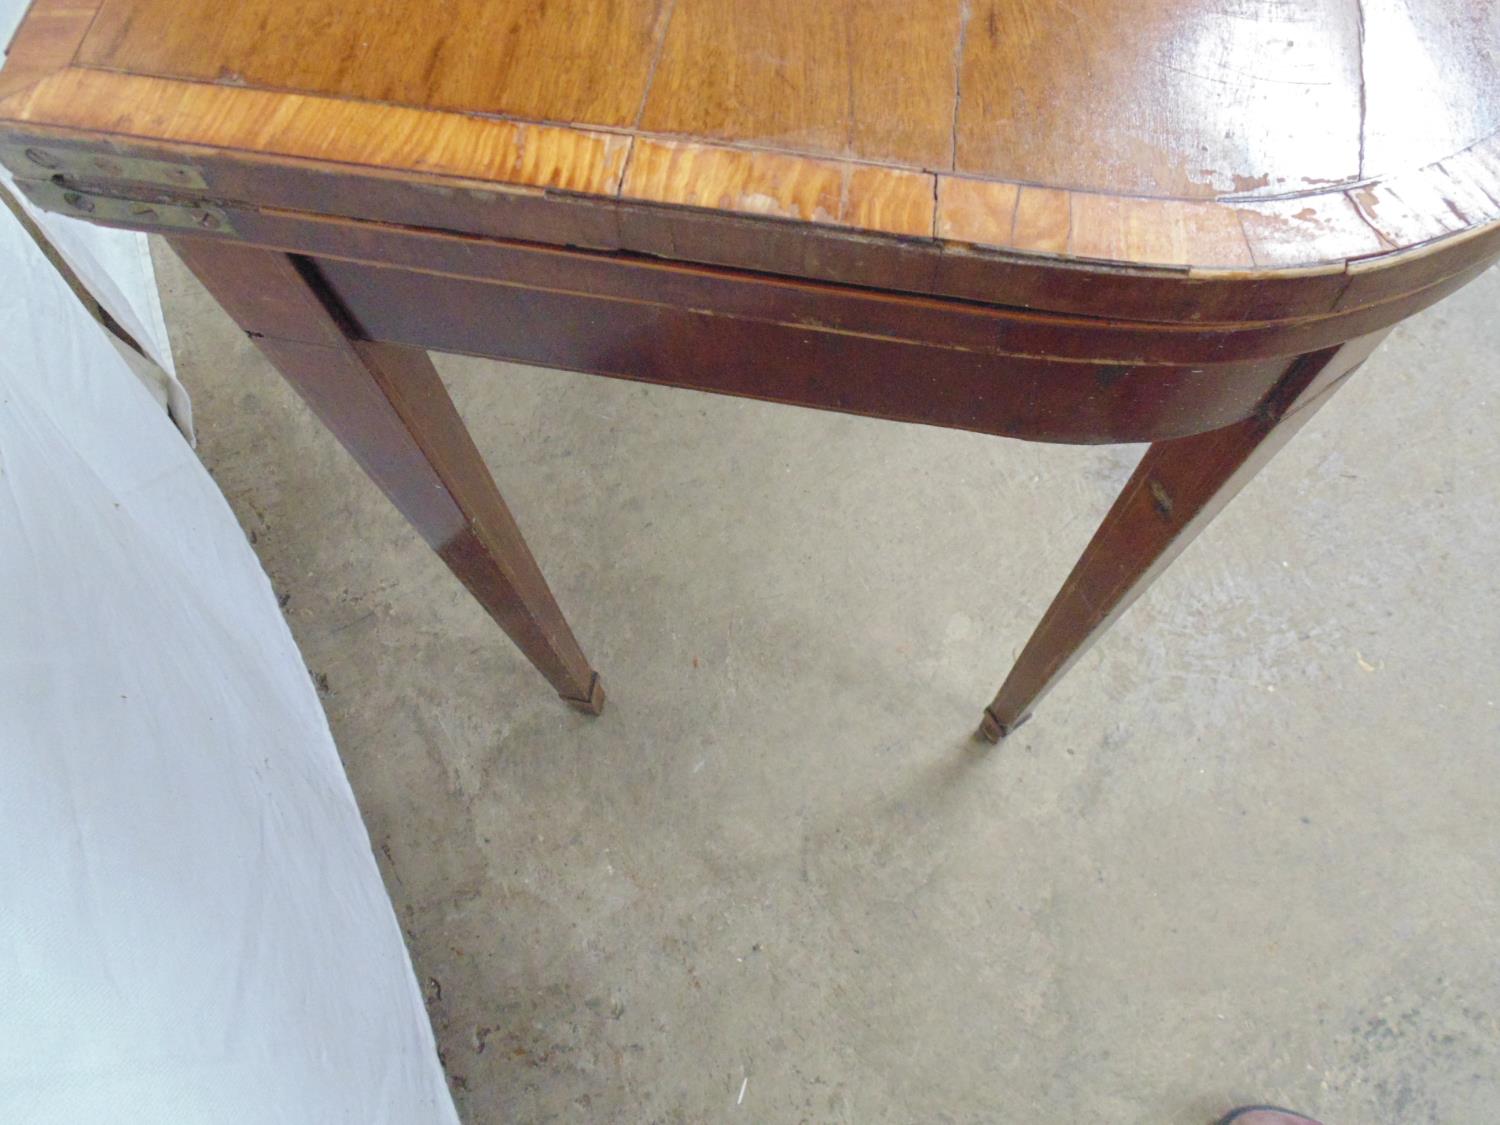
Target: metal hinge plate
132	212
32	161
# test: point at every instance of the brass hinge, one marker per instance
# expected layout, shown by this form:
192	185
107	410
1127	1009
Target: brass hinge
144	213
33	161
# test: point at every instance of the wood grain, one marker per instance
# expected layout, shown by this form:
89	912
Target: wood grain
775	184
568	61
1043	222
1159	231
1292	232
1189	100
45	41
979	212
329	129
836	77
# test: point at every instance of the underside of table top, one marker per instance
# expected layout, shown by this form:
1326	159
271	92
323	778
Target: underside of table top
1219	137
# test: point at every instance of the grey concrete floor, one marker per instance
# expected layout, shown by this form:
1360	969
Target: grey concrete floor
1247	851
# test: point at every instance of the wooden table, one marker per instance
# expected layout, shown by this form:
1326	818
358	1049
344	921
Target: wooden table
1071	221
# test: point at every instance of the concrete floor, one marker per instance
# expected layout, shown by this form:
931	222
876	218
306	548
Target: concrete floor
1247	851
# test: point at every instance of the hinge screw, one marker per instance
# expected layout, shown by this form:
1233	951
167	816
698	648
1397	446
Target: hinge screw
81	202
42	158
208	221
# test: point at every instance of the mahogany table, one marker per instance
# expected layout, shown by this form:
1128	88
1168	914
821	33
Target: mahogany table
1060	220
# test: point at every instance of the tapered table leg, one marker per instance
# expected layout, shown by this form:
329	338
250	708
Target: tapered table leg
1176	490
389	408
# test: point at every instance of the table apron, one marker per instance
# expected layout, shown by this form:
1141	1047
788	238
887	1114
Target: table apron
1036	398
885	310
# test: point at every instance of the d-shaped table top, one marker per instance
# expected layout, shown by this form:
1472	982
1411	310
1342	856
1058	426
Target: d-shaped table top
1218	138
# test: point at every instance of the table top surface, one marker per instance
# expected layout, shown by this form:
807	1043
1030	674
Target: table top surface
1212	134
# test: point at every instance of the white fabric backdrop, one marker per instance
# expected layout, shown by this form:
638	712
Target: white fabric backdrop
116	267
192	927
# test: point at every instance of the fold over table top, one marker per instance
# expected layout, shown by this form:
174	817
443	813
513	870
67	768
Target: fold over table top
1206	138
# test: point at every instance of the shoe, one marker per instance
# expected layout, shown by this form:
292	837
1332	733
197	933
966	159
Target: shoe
1264	1115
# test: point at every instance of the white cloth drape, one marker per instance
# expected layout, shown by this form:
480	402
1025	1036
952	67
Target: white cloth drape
192	927
115	265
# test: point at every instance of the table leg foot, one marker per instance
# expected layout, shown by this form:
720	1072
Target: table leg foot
594	704
992	729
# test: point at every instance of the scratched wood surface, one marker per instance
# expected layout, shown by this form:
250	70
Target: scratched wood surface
1208	135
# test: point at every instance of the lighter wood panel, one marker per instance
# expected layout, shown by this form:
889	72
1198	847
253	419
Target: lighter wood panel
727	179
982	212
836	77
45	41
894	202
328	129
1157	232
1294	232
1180	99
583	61
1409	209
780	186
1043	222
1475	177
1164	232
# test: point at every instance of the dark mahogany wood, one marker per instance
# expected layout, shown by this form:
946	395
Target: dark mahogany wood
806	364
388	407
